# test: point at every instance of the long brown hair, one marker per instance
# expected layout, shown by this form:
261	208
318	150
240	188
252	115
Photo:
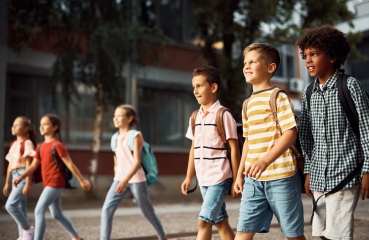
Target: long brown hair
31	132
55	121
131	112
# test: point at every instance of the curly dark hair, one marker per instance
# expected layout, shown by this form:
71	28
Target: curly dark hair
328	39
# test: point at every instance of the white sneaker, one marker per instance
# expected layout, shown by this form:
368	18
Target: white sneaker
28	234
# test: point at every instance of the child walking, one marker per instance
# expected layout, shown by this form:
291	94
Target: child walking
330	147
129	175
268	168
208	155
19	157
53	179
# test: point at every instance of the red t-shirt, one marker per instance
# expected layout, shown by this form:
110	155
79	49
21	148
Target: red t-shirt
51	174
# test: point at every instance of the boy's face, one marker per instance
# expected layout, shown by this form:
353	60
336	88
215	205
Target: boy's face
318	64
203	91
255	69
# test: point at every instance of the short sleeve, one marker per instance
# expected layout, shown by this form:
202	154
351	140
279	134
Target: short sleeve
285	113
61	149
230	126
141	140
29	149
189	133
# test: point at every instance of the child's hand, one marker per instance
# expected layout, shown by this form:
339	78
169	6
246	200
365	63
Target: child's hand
121	187
365	186
85	184
17	181
233	191
27	189
307	186
185	185
255	169
6	189
238	185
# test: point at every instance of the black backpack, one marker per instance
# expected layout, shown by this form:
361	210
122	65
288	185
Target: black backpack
351	113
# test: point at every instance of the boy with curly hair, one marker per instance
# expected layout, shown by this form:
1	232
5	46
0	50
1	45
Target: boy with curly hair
330	147
267	176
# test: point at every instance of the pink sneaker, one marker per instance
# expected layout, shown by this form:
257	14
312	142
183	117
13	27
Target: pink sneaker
28	234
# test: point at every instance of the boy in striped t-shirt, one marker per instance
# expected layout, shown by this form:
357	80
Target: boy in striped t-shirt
270	185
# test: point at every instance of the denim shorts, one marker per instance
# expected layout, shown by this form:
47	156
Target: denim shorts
213	208
261	199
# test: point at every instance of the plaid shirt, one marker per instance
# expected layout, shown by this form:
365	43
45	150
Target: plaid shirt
330	148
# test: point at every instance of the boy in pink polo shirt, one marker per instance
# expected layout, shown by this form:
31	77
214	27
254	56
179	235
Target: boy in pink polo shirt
208	155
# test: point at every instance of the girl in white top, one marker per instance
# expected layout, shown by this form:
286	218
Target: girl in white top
19	157
128	175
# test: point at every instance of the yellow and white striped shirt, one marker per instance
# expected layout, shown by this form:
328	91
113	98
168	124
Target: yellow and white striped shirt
262	133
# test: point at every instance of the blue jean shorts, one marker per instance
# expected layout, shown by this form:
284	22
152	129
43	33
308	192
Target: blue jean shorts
261	199
213	208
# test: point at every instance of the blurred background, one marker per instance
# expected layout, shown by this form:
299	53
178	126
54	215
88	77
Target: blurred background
82	58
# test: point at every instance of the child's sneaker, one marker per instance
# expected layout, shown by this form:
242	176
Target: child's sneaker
28	234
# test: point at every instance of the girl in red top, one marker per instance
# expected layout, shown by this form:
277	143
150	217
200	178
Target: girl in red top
53	179
20	156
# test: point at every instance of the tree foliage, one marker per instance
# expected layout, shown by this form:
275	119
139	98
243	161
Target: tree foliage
238	23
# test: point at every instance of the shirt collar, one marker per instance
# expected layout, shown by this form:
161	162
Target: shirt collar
212	109
329	84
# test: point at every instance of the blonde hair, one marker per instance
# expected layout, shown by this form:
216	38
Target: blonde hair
267	51
131	112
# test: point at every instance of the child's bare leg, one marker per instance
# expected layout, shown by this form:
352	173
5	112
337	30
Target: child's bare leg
244	235
204	230
302	237
225	230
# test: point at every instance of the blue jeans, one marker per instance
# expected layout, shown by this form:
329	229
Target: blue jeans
112	200
261	199
50	198
16	205
213	208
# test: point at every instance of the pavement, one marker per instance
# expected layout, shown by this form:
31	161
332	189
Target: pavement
179	218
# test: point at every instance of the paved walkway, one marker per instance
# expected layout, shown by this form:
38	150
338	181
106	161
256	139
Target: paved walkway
179	220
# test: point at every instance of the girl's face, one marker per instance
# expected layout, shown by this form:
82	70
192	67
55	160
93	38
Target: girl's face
46	127
18	128
120	118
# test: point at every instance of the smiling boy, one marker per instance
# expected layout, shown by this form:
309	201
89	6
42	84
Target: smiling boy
208	155
330	148
268	167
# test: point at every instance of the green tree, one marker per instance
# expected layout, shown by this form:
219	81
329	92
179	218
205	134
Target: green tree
237	23
94	38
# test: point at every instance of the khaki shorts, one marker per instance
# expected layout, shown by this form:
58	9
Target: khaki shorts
334	217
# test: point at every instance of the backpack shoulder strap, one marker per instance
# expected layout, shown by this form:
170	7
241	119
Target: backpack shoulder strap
309	92
39	150
113	141
347	103
220	124
273	106
193	121
131	135
244	107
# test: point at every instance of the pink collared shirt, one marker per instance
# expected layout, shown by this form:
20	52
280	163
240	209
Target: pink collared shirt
125	160
211	163
14	156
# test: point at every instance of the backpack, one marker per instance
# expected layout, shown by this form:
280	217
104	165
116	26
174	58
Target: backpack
221	130
36	176
222	135
349	108
71	180
148	160
296	146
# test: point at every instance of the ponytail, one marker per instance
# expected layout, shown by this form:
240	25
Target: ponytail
31	132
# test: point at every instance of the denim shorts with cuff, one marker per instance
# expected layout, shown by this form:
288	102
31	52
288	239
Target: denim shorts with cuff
261	199
213	208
